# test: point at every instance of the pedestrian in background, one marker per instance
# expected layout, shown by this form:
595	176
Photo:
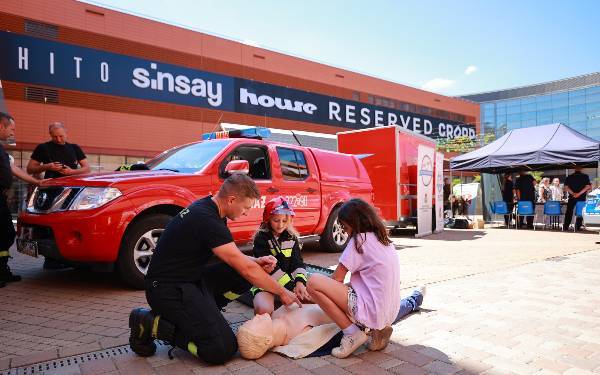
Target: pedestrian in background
7	170
577	185
57	158
447	192
508	196
556	191
525	187
544	193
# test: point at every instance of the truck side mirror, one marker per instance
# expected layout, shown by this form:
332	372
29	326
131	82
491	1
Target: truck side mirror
237	166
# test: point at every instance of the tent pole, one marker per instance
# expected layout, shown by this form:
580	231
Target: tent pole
451	193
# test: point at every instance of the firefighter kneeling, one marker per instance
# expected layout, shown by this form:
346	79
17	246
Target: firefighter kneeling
186	295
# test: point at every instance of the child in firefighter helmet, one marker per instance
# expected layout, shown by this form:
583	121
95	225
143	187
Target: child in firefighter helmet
276	236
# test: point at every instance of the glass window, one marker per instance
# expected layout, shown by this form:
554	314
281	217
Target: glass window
592	90
293	164
580	126
528	116
513	107
515	118
188	158
560	100
488	107
544	102
577	116
592	97
577	97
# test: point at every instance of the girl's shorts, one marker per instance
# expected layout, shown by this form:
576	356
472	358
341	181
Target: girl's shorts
353	308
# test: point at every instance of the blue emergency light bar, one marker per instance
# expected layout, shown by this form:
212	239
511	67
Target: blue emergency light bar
252	133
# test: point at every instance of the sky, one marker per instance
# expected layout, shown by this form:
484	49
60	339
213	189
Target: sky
451	47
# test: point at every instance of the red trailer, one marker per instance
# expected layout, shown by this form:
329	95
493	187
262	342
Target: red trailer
390	155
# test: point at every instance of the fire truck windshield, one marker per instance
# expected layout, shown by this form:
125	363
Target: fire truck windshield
189	158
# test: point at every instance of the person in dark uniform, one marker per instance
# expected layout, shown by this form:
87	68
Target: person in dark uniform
525	187
508	196
577	185
447	191
186	293
57	158
7	170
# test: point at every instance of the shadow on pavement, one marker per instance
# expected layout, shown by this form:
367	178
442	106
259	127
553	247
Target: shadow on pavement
456	235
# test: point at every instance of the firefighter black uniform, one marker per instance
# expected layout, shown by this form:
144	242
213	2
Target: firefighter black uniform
290	267
185	293
7	229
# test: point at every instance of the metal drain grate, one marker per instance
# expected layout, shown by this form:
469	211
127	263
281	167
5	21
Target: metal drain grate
57	365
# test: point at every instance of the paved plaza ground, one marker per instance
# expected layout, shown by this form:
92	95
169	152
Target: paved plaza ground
499	302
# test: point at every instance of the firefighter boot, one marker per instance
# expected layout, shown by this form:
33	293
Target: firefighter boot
6	276
141	341
145	327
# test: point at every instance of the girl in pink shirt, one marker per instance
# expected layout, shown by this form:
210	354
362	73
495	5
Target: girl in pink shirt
372	299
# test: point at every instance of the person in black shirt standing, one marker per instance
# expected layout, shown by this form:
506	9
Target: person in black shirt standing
185	293
447	191
525	187
508	196
577	185
57	158
7	170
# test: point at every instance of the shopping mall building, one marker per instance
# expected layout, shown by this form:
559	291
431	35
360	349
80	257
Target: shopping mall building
128	88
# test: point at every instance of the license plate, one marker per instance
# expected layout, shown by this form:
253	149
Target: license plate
27	247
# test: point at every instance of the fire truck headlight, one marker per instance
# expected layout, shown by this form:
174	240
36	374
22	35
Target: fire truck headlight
94	197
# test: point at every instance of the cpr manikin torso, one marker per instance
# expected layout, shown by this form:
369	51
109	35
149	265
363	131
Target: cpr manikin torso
264	332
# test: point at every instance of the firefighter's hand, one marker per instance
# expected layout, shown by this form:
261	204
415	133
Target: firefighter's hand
288	298
267	263
301	292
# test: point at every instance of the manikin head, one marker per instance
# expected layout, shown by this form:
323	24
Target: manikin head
58	133
237	196
255	336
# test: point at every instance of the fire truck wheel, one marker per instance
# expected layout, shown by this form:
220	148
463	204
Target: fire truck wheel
334	238
137	247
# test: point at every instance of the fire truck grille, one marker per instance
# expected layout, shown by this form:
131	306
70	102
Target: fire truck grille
55	198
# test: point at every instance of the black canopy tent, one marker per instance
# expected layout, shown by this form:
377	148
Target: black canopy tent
554	146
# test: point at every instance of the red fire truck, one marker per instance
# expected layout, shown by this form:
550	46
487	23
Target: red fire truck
116	218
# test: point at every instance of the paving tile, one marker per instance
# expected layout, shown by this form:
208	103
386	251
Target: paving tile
173	368
441	368
366	368
271	359
407	369
330	370
99	366
80	349
133	366
409	356
35	357
312	363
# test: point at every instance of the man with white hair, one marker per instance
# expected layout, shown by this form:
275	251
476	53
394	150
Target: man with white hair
57	157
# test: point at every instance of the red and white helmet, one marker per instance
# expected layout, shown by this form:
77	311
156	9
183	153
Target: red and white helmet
277	206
